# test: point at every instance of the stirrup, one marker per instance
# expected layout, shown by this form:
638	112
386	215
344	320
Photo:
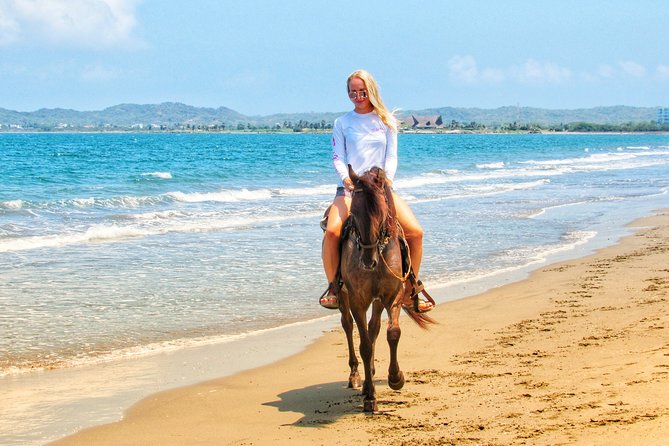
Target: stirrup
329	299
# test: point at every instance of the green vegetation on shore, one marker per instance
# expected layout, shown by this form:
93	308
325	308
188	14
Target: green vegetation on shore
176	117
572	127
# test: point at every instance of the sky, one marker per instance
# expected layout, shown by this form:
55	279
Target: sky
261	57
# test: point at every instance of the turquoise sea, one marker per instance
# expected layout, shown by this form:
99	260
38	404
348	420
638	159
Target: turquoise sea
128	245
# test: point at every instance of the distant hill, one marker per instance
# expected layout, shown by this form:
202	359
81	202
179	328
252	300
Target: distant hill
173	115
167	113
124	115
619	114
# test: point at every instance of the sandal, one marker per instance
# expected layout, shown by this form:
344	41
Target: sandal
329	299
419	305
422	306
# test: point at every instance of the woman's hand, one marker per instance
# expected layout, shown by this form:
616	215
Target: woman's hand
348	184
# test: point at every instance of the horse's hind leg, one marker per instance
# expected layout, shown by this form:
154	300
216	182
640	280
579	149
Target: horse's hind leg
347	324
395	375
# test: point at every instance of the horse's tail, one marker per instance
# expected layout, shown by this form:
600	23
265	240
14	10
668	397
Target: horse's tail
421	319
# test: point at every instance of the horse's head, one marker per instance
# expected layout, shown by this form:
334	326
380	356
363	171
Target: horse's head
370	208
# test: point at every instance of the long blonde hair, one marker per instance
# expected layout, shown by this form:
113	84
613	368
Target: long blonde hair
380	108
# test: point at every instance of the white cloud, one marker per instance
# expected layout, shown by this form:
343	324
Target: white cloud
9	27
606	71
82	23
538	72
621	70
663	72
463	68
632	68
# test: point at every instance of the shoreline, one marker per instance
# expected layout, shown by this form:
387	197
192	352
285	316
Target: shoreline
572	354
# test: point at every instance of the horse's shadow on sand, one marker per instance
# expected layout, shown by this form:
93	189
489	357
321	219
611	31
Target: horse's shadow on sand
320	404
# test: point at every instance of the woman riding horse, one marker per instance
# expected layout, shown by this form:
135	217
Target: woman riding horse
366	137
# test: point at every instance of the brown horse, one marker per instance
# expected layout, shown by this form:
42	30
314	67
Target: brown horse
372	275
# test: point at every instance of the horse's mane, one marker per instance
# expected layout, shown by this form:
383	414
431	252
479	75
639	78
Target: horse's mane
378	203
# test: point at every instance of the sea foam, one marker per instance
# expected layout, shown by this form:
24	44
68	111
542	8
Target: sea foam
92	234
161	175
223	196
499	165
11	204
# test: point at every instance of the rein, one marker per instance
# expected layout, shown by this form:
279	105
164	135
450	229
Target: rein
405	276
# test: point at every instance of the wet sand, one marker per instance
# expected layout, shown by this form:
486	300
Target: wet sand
578	353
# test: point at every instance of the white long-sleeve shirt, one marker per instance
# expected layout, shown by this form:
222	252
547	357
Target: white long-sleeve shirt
363	141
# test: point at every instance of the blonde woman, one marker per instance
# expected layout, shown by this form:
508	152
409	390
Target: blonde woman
364	138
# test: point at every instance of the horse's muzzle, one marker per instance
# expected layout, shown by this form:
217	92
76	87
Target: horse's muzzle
369	262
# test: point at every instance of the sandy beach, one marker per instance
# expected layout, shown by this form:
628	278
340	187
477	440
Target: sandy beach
578	353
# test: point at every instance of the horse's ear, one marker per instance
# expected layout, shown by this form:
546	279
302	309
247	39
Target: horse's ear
352	175
382	177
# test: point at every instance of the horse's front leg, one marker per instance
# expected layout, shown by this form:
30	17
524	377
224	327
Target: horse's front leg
375	328
395	375
366	352
347	325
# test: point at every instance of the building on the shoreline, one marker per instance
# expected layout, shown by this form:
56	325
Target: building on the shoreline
663	115
423	122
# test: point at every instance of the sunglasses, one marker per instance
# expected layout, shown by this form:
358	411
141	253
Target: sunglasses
354	94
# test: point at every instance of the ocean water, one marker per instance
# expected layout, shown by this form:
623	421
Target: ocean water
126	245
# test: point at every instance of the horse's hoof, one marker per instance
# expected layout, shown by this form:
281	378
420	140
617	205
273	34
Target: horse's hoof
354	382
398	383
370	405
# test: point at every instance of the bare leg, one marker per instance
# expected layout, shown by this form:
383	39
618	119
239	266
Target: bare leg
338	213
413	231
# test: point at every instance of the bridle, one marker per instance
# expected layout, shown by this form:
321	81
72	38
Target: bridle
382	240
